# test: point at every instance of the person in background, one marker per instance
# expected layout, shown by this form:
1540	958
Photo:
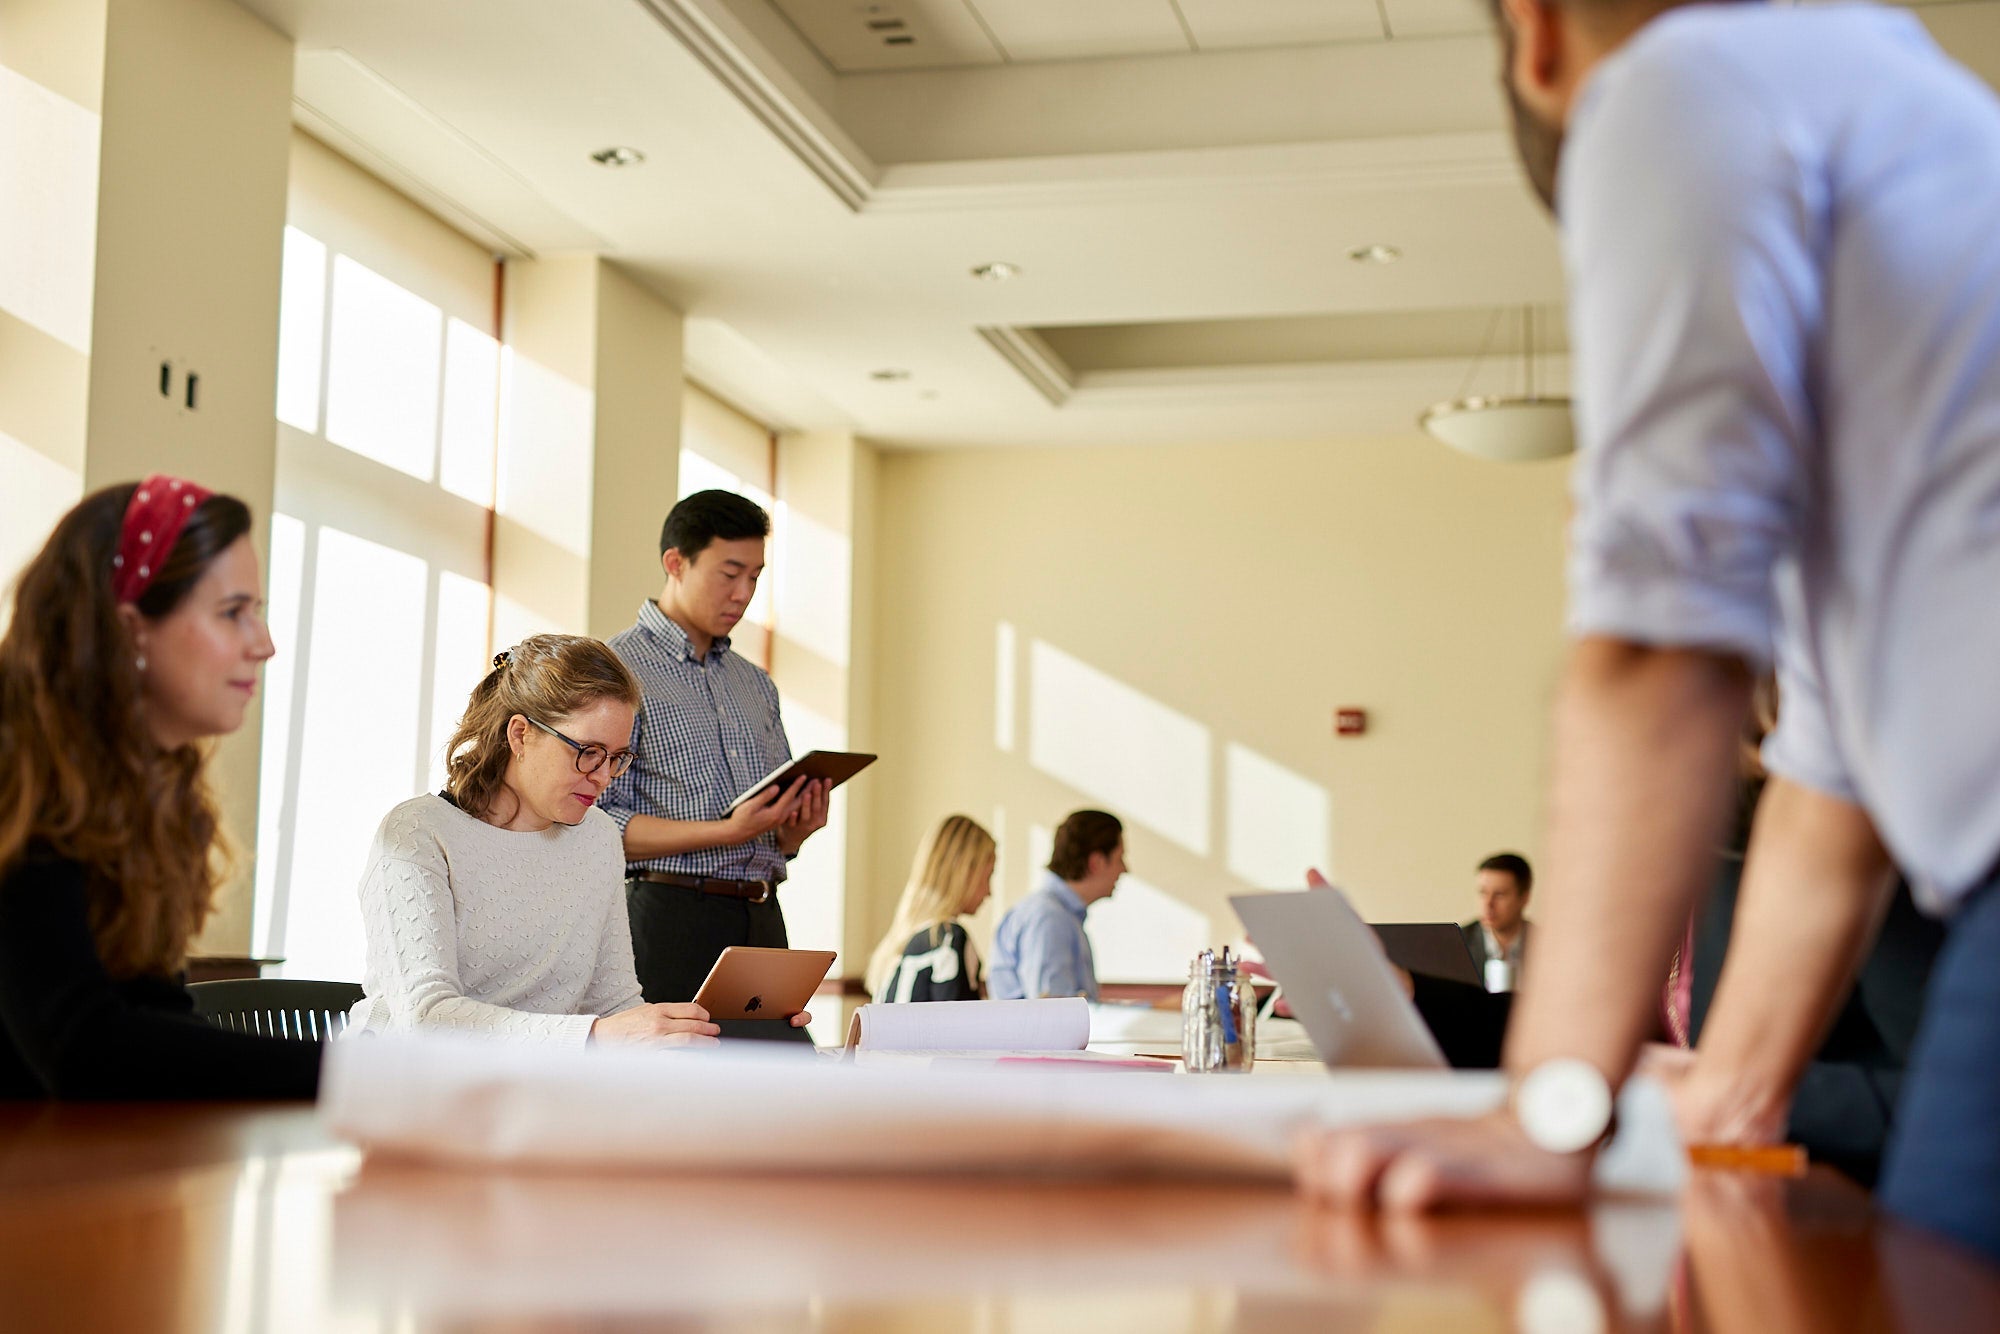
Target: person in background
700	876
927	954
1040	948
1500	933
496	905
1843	1110
137	634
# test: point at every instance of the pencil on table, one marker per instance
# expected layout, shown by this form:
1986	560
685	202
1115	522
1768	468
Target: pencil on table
1787	1160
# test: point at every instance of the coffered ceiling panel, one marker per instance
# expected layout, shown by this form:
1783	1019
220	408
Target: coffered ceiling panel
1218	24
857	35
1079	29
1477	333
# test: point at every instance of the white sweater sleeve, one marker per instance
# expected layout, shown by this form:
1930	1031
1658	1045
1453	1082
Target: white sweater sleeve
406	905
614	987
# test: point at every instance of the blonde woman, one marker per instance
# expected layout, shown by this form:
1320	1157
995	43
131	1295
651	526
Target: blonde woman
927	955
497	906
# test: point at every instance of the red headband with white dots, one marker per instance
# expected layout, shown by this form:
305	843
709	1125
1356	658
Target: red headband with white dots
159	509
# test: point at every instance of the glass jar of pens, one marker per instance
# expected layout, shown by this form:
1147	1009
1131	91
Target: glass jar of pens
1218	1016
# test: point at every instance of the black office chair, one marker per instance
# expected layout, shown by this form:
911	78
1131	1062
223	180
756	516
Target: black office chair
277	1007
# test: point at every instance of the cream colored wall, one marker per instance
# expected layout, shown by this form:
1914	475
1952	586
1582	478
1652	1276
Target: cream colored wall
589	448
196	110
820	662
1250	590
638	446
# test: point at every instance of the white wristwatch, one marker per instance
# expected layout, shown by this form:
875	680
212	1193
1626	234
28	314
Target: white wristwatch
1564	1105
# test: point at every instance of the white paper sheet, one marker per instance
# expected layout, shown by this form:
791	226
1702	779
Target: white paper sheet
979	1025
459	1100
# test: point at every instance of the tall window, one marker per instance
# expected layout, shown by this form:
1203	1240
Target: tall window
389	375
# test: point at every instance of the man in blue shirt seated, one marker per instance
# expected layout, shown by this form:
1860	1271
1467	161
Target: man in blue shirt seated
1040	949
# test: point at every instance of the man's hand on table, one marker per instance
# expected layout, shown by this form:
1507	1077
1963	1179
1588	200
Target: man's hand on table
1437	1164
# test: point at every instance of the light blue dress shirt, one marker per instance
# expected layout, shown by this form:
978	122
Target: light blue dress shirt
1041	949
1782	231
708	728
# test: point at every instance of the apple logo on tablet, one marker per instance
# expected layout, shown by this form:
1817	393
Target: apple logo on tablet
754	1004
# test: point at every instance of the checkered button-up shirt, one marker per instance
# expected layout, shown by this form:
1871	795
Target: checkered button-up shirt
707	729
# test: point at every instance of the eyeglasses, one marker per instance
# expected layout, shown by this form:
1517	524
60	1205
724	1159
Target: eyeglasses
591	758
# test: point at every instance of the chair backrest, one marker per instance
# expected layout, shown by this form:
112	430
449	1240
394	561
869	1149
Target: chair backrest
277	1007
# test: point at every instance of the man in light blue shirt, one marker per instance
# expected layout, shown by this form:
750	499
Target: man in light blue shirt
1041	949
1779	227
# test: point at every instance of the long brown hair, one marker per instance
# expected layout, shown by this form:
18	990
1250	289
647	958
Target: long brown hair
543	677
80	775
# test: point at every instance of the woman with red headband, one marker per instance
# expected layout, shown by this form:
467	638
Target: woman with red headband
137	634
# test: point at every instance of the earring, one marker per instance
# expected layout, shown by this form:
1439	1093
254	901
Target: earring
142	662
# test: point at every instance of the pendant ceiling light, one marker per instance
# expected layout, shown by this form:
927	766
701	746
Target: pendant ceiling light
1504	429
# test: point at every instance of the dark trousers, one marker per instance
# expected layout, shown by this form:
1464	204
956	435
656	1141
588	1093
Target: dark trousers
1942	1171
678	934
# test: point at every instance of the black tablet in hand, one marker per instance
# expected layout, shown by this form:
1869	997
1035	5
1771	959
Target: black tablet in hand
832	766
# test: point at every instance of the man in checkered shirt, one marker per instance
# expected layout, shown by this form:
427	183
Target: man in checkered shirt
700	876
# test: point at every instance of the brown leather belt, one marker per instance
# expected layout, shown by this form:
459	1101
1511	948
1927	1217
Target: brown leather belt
755	891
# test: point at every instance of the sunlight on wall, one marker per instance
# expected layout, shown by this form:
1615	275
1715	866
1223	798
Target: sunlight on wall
815	894
815	598
546	452
1004	650
460	664
1141	933
354	749
471	412
48	247
1277	821
382	370
283	590
301	330
1139	758
38	492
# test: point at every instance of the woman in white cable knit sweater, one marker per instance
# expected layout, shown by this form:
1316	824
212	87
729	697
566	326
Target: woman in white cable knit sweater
497	906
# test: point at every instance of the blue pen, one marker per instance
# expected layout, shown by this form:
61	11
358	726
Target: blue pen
1225	995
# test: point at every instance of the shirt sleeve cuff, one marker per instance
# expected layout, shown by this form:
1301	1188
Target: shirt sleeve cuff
578	1028
1671	613
1789	756
620	815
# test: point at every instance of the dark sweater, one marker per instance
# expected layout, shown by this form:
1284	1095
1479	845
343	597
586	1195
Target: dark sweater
67	1030
919	968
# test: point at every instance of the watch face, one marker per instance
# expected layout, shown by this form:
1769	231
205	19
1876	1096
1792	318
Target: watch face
1564	1105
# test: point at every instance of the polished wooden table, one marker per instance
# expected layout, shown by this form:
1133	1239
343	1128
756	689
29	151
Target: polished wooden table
171	1218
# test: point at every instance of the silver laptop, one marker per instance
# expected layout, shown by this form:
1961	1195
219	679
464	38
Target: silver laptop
1338	981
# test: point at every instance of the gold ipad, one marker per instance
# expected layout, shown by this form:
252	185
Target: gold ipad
750	982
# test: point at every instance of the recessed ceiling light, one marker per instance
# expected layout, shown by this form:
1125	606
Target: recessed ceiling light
618	156
891	373
999	271
1375	254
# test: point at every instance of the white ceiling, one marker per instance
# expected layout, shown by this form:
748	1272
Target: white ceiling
854	36
815	199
